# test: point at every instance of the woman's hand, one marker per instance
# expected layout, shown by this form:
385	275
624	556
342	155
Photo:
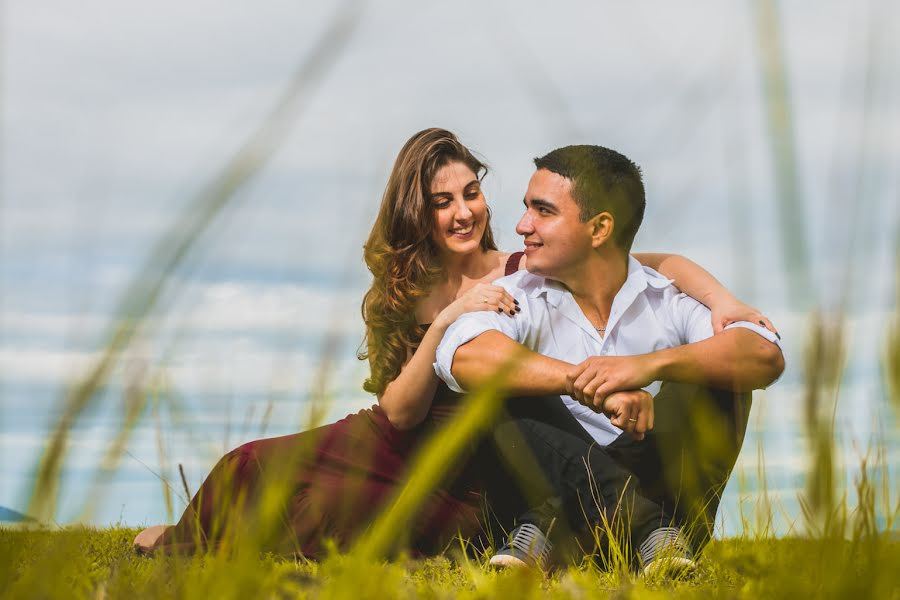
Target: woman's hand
482	296
730	310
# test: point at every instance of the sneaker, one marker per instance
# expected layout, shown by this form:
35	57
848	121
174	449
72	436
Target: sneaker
527	547
666	553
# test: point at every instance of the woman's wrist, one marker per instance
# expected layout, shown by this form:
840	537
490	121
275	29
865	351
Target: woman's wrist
442	321
718	297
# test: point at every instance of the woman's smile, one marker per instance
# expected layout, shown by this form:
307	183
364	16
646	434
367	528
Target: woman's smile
463	232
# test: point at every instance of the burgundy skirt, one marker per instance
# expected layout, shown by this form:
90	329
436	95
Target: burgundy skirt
296	493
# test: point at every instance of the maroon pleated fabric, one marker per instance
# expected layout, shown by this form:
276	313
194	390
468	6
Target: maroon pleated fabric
328	483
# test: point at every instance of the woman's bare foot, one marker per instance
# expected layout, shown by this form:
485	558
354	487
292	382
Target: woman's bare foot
146	539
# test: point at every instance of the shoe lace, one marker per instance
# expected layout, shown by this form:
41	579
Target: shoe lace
665	541
531	542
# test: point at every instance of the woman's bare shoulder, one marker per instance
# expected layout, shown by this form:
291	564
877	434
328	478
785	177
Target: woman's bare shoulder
498	264
503	258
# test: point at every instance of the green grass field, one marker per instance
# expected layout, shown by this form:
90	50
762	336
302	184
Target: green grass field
99	563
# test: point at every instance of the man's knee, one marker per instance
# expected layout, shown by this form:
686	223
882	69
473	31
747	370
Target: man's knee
712	418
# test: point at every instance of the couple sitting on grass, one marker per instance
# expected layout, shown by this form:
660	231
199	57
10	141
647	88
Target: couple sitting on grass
625	399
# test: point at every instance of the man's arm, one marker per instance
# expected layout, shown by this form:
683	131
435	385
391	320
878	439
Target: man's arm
736	359
528	373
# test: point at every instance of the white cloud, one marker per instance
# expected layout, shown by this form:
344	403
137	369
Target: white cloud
228	338
279	308
45	366
206	366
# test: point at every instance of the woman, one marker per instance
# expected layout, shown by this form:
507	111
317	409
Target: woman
432	256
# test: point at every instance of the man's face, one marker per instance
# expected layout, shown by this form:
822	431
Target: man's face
556	241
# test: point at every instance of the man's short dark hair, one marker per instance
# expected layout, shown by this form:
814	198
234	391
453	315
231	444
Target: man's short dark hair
602	180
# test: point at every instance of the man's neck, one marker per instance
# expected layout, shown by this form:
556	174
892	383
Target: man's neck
595	283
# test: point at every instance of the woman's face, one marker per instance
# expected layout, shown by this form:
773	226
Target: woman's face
460	211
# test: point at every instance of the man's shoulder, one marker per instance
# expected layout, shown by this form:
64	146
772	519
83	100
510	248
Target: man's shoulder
663	297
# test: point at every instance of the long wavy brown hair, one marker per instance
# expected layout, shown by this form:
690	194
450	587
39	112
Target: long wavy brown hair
401	255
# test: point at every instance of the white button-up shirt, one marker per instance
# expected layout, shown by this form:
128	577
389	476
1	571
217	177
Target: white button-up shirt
648	314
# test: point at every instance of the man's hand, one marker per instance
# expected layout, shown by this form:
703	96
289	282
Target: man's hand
630	411
599	376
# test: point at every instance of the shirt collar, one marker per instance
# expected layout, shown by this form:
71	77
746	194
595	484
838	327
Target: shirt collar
638	280
553	290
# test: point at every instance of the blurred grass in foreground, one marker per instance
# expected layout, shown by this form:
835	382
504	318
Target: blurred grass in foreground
88	563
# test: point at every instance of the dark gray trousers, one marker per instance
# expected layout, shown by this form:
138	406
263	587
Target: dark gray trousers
674	476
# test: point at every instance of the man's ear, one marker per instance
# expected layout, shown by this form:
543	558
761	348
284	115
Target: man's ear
602	228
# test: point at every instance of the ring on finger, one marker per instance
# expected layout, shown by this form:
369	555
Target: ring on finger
484	300
630	420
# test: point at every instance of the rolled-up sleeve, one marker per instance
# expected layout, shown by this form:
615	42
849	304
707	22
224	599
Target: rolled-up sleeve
466	328
758	329
695	321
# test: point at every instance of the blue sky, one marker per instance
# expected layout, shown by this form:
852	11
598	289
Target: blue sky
114	115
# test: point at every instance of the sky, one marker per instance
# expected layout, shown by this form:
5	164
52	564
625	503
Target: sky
115	116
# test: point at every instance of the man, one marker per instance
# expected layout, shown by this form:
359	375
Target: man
603	332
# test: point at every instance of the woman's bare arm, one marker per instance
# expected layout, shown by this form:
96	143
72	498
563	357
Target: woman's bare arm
407	398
